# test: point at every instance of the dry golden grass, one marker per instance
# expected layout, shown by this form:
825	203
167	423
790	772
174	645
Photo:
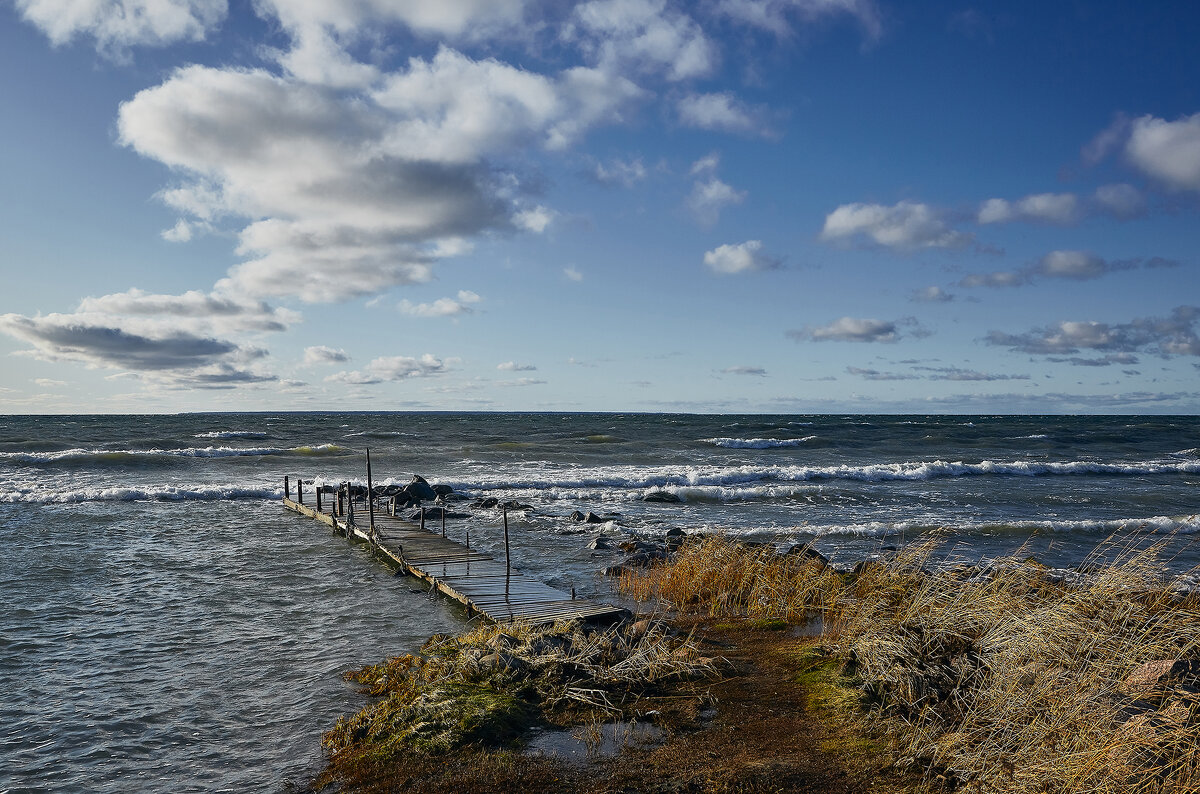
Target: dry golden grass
719	578
992	682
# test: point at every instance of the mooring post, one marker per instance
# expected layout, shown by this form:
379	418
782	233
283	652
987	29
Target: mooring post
287	489
318	498
339	507
443	522
349	506
422	517
370	499
300	490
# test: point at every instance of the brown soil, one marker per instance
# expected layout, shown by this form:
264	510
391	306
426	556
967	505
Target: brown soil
777	721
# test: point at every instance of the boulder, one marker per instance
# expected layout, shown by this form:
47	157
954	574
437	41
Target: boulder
600	543
419	490
664	497
1154	679
586	518
442	490
487	503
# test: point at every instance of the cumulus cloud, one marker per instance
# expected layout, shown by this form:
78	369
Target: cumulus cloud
709	197
740	258
442	307
512	366
349	193
720	111
323	354
1058	208
117	25
469	19
855	329
1077	265
392	368
907	225
1168	151
642	34
779	16
1174	335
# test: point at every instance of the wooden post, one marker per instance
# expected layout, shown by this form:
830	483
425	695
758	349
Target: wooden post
300	490
370	500
443	522
422	517
507	566
287	489
318	498
349	505
340	506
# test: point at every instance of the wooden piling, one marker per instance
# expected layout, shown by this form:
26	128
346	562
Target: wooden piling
370	496
287	489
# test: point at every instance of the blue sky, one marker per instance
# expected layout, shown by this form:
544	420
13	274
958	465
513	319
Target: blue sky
625	205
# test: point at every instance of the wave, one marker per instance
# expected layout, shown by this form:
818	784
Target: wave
1155	525
669	477
163	493
757	443
228	434
118	456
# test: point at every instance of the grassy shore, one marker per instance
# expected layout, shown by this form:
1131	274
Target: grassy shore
776	673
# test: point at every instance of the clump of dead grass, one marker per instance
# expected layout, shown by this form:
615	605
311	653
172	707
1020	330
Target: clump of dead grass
996	680
487	687
723	579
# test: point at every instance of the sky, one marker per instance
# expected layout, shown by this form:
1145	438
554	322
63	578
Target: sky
746	206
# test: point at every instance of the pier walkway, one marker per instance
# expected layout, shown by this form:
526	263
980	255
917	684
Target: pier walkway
486	586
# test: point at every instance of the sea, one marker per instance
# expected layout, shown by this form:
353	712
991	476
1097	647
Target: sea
167	626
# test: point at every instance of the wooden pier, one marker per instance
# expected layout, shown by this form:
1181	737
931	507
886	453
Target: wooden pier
488	587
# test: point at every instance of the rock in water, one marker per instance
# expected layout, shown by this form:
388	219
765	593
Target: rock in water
419	490
665	497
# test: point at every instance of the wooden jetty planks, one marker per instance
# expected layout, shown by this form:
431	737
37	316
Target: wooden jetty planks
485	585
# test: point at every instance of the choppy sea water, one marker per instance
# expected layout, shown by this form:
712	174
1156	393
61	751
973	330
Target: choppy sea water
167	626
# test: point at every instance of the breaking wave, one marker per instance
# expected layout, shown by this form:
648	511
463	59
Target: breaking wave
757	443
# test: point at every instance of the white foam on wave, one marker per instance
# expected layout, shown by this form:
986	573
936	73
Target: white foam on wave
1154	525
757	443
668	477
162	493
80	455
229	434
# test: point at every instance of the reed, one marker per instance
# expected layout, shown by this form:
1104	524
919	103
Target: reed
996	680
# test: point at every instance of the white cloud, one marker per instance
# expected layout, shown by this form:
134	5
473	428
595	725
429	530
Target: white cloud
706	164
1059	208
512	366
48	383
740	258
1166	336
468	19
775	15
349	193
1078	265
392	368
323	354
181	232
572	274
710	196
906	225
117	25
194	311
535	219
1169	151
642	34
442	307
721	111
855	329
622	172
152	351
744	369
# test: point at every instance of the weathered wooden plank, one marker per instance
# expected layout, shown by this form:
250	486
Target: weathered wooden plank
485	585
